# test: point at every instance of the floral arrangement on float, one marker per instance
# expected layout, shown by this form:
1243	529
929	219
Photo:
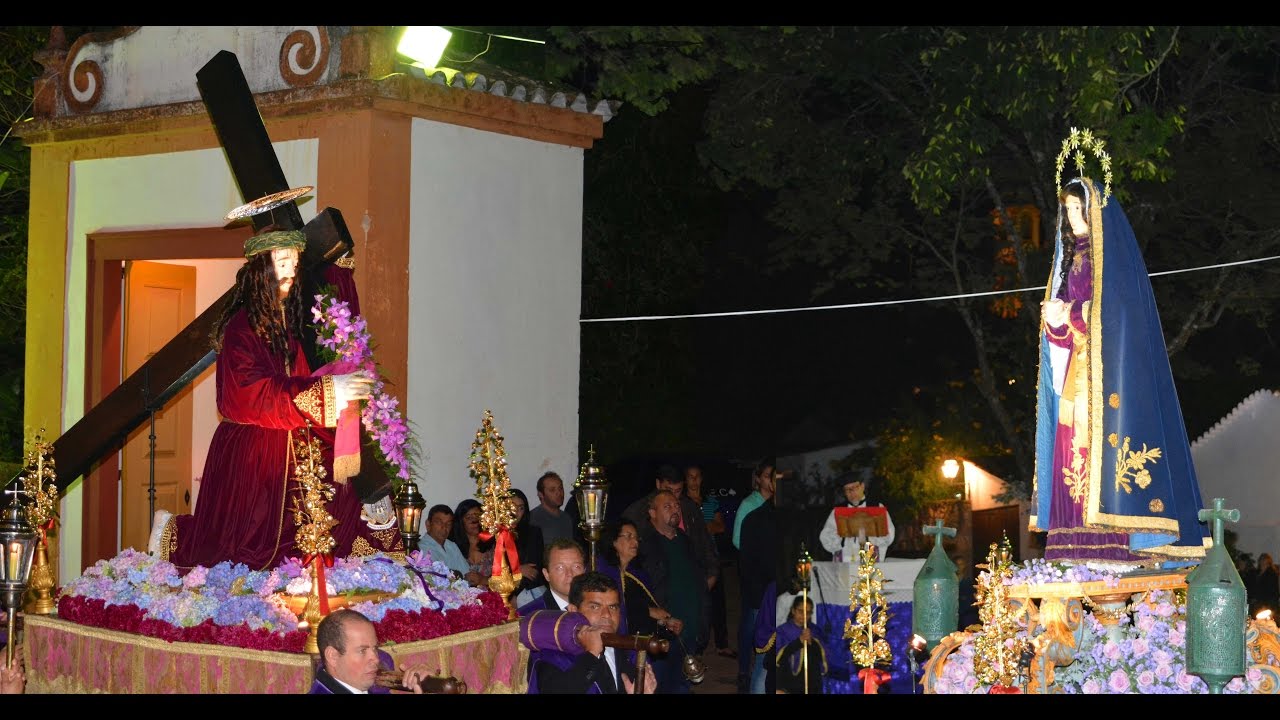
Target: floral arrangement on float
343	338
229	604
1139	651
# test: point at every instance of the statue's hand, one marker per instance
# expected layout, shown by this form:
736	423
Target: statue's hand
1056	313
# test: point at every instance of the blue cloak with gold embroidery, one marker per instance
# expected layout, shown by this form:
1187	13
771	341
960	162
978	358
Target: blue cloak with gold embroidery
1141	480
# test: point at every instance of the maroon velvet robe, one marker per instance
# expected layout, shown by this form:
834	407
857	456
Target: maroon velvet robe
247	489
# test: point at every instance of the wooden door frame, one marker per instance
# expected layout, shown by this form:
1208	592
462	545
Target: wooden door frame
104	313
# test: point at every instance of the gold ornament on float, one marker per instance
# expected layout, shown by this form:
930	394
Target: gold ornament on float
497	511
313	536
39	484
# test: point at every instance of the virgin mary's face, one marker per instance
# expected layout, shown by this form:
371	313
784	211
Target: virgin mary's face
1075	215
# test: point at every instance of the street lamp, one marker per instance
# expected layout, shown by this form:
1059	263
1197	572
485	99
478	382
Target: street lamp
18	543
593	495
952	469
409	504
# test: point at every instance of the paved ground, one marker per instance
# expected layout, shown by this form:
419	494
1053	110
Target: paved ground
722	672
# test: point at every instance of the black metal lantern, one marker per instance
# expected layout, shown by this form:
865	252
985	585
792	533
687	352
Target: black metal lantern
409	504
593	497
18	543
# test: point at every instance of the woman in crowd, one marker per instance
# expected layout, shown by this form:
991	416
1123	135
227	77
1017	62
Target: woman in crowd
466	534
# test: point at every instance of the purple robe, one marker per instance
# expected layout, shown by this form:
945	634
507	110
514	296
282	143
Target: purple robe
1069	538
789	654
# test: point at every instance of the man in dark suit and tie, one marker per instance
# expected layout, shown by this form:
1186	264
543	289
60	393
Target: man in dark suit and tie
350	659
598	670
562	561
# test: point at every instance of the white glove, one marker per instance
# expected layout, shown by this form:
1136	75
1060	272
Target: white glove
352	386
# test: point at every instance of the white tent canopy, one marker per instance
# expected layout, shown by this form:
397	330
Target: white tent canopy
1238	460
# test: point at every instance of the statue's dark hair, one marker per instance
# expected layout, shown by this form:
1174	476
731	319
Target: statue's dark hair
257	291
1066	235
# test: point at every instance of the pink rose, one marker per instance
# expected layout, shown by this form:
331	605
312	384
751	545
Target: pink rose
1119	681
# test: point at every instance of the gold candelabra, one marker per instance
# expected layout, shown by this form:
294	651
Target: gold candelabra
868	629
997	648
313	536
497	511
39	483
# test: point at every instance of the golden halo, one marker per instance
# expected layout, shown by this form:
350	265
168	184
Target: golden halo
1077	142
270	202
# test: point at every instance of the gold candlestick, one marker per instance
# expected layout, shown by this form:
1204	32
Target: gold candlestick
311	616
40	485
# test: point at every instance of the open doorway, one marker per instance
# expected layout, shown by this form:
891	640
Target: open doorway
144	288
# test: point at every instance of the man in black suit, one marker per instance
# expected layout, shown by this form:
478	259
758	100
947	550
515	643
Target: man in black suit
598	670
350	659
562	561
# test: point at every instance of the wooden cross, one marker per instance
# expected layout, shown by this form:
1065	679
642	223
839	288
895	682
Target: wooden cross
1217	515
938	532
257	172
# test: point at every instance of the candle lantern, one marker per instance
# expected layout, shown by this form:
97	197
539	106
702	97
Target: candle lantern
18	544
593	498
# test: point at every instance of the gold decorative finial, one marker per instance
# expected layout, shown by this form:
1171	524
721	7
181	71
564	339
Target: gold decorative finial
497	510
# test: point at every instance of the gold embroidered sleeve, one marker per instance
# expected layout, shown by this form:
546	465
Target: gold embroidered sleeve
318	402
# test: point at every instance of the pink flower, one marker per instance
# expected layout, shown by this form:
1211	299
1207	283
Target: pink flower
1141	647
1163	671
1146	679
1176	638
1111	650
1145	623
1119	681
1091	687
1185	681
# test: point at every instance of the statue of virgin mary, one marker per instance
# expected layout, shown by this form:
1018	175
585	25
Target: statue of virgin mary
1114	484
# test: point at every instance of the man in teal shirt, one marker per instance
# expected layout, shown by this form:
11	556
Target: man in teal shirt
759	477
